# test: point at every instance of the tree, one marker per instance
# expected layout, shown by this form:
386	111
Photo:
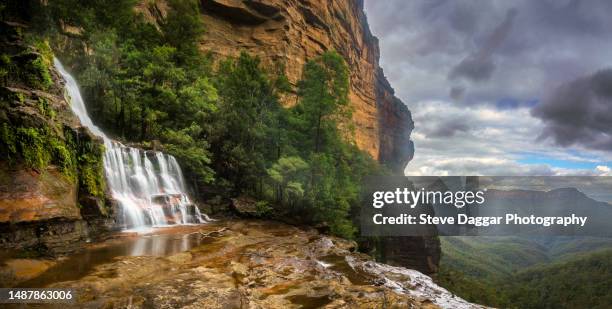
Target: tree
288	174
243	136
333	182
324	99
181	28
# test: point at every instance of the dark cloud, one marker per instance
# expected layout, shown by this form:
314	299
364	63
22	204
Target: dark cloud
431	8
457	92
464	19
479	65
495	48
448	129
580	112
474	68
574	17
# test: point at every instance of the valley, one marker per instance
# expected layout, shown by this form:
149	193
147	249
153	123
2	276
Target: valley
517	272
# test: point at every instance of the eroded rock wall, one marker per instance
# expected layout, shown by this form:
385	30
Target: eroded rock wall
51	179
291	32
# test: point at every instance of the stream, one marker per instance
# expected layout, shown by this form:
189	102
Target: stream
233	264
157	242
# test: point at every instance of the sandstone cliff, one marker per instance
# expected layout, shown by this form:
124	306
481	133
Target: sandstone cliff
290	32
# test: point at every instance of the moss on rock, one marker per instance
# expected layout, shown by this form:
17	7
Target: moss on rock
77	154
37	128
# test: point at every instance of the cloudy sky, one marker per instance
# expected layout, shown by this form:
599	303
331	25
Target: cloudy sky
501	87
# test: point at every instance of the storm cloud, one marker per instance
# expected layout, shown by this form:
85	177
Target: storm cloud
479	65
580	112
456	93
501	87
448	129
490	48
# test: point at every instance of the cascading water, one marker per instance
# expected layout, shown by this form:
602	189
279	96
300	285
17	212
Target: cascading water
148	185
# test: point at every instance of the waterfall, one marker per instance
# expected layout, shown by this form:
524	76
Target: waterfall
148	185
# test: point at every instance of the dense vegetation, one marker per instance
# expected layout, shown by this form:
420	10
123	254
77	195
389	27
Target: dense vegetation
583	281
145	80
512	272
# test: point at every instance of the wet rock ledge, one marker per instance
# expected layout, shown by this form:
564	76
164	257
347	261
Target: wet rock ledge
259	264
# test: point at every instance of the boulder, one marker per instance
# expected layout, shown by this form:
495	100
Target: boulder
244	206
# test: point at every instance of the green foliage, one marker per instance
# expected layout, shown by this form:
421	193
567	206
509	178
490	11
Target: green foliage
289	174
181	27
43	47
91	168
9	141
30	142
40	147
5	68
29	67
581	282
244	134
90	15
490	257
45	109
328	184
298	157
262	209
336	166
37	74
324	102
191	152
146	80
141	83
472	289
62	156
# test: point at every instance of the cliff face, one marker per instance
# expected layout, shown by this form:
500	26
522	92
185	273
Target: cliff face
51	187
291	32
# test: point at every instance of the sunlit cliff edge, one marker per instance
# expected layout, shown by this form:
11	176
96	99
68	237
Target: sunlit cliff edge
288	33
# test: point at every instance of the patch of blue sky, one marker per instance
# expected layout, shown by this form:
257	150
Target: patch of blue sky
512	103
581	162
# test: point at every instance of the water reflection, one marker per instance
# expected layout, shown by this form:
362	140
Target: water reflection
80	264
161	245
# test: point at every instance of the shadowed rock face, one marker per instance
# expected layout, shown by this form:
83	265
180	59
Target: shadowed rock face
41	208
290	32
28	195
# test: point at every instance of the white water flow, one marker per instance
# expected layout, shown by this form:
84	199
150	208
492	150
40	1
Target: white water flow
148	185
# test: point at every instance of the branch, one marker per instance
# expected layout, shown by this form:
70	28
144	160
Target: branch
214	233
